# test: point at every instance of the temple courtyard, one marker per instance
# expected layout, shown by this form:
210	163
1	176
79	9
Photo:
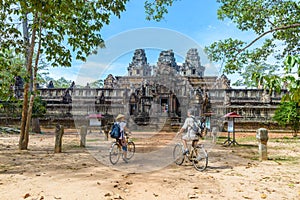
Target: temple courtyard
233	172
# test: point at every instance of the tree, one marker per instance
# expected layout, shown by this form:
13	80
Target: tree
97	84
157	9
62	83
56	29
288	113
276	24
292	78
9	71
254	76
53	28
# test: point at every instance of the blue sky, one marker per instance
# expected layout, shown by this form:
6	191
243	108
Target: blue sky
193	20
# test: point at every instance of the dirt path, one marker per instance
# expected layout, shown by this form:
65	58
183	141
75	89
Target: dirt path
76	174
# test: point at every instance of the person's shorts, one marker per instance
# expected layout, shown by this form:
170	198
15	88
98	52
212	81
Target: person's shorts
190	136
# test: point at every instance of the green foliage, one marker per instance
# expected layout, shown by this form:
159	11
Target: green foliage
276	24
97	84
156	10
292	78
62	83
67	26
39	107
42	76
277	19
288	113
253	77
10	67
58	83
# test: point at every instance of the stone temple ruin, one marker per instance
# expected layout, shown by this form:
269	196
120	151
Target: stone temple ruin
157	97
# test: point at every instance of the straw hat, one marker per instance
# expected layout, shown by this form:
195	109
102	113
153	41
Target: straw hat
120	116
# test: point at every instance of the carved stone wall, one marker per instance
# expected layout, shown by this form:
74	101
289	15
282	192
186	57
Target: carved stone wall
166	90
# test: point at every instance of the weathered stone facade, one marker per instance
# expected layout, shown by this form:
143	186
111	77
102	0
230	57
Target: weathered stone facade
192	65
139	65
160	95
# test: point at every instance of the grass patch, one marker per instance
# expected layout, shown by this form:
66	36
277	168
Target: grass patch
221	140
286	139
93	140
254	158
284	159
133	139
240	140
246	139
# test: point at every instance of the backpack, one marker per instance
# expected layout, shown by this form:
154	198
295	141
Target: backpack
196	127
115	131
202	125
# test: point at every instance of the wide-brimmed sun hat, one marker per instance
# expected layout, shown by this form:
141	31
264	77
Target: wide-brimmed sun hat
120	116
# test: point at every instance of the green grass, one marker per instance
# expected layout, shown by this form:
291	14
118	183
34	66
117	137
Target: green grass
221	140
93	140
283	158
248	148
246	139
286	139
133	139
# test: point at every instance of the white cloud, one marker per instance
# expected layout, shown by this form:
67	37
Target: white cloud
211	27
211	70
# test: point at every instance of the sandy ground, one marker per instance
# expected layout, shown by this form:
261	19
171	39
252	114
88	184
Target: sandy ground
76	173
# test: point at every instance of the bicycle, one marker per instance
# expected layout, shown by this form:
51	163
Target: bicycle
116	150
198	156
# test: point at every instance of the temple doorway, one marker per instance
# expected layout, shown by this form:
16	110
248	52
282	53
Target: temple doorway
164	103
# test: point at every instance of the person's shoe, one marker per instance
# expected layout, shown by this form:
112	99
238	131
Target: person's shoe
186	152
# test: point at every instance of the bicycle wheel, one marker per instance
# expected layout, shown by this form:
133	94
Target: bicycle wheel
200	160
177	154
114	153
130	150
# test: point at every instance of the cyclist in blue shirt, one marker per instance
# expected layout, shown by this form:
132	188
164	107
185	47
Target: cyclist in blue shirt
120	119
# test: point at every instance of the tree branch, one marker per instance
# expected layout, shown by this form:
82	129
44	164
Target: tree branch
267	32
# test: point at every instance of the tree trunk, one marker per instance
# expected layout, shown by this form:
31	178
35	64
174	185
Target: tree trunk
35	124
24	137
59	132
34	80
29	114
27	108
23	141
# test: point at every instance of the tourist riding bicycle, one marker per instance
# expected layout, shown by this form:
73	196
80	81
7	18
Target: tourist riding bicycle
197	154
190	133
120	119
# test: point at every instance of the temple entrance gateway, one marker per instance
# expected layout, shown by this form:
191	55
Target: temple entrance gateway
148	102
164	103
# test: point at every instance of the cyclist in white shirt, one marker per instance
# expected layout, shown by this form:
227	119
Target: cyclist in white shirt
190	134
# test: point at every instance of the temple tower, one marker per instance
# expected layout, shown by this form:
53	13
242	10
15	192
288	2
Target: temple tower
166	63
139	65
192	65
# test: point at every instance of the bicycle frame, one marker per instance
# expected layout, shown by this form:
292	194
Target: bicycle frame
197	156
116	150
